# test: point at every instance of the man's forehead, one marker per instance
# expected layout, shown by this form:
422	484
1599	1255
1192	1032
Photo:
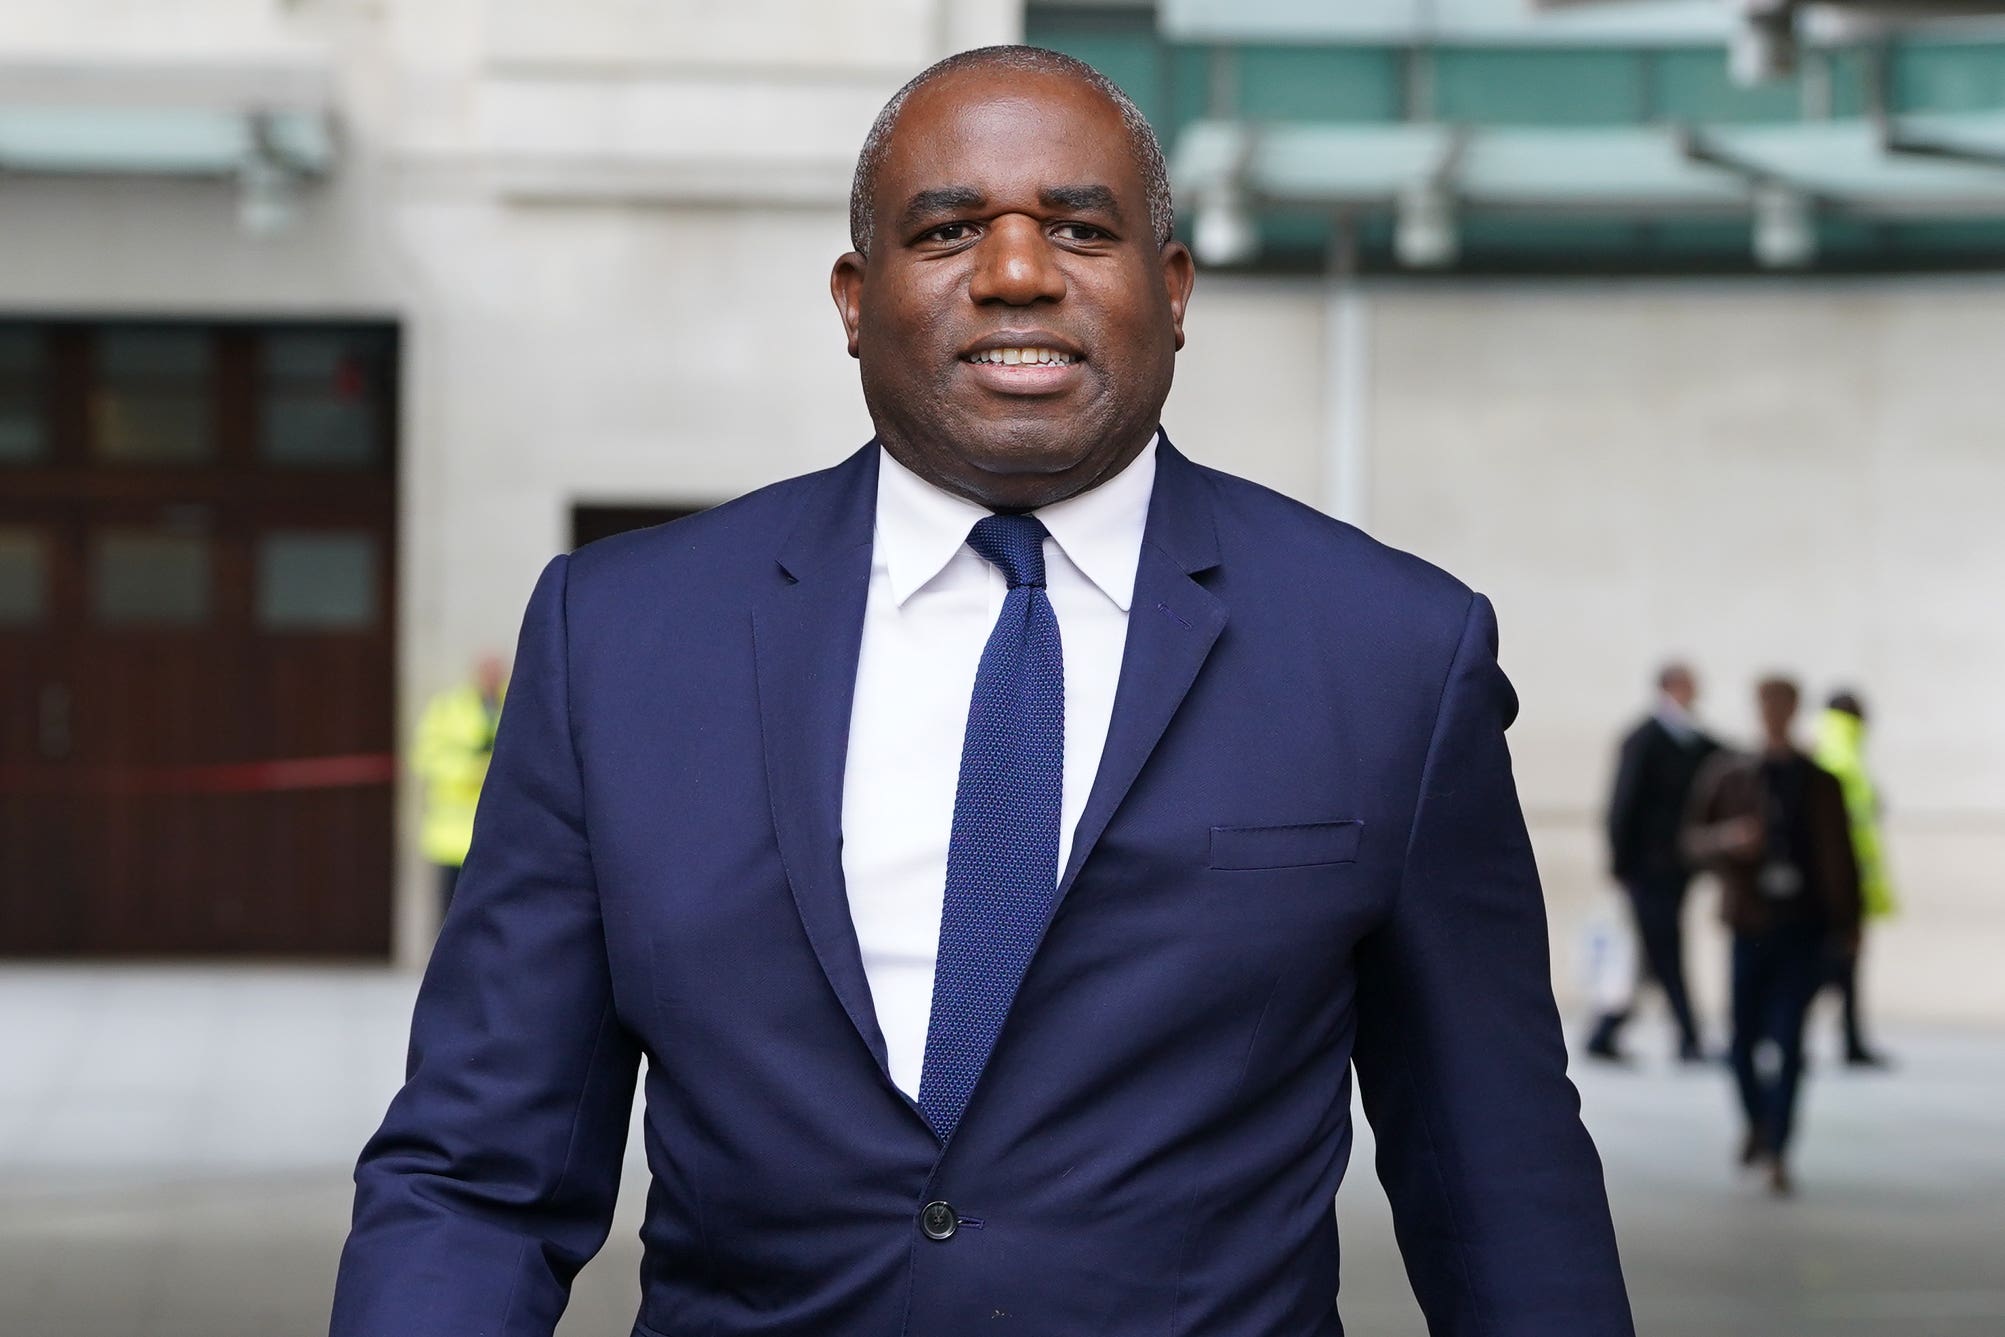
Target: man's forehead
1007	145
1068	115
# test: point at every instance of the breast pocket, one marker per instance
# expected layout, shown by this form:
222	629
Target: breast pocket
1301	845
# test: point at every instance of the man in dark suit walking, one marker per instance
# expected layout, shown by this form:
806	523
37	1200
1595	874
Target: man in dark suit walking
1659	761
1000	846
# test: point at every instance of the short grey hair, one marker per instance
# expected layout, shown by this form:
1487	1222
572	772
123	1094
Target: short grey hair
1147	149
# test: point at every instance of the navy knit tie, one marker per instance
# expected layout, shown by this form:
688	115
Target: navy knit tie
1002	859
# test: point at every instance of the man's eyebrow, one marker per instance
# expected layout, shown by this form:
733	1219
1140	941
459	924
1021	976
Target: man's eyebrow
941	200
1081	199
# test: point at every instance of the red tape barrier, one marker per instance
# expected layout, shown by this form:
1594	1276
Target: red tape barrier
279	775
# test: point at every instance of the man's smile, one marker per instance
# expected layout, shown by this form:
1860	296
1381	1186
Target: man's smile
1024	363
1012	357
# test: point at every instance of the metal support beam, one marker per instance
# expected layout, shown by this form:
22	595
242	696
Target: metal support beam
1905	144
1696	147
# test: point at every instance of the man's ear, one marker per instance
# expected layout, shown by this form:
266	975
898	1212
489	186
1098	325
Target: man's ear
845	285
1179	274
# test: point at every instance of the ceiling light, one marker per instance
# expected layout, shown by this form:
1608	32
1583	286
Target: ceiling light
1424	233
1785	228
1225	233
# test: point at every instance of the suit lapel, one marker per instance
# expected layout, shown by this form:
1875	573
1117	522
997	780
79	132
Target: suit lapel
1173	623
806	636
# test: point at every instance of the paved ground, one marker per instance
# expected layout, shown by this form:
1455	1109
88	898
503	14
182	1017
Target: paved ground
175	1144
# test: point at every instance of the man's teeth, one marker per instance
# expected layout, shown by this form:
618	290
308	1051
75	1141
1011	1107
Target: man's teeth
1012	357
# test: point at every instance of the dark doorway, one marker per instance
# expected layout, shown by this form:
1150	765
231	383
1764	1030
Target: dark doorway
197	614
590	523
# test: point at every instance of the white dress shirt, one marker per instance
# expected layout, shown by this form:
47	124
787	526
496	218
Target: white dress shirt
1677	721
932	604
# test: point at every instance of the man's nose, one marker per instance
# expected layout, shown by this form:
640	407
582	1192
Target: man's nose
1015	265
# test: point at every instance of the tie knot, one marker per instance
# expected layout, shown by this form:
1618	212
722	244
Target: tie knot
1014	544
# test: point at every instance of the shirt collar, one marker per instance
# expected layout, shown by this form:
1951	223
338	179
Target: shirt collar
920	527
1101	529
1677	721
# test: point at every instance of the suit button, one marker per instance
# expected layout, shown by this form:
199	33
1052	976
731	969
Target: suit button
938	1221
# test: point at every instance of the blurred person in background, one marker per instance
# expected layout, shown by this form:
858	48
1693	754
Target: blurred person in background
455	739
1841	750
1772	826
1654	774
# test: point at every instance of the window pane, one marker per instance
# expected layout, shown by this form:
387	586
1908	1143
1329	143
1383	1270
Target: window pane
1281	83
152	400
145	577
321	400
21	434
317	580
24	576
1506	87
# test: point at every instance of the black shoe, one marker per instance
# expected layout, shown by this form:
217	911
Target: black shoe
1867	1058
1779	1182
1691	1051
1753	1150
1603	1048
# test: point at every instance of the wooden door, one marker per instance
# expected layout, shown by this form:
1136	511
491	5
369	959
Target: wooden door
196	690
153	679
318	661
37	578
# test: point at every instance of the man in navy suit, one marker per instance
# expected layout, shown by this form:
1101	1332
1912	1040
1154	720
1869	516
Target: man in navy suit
1001	846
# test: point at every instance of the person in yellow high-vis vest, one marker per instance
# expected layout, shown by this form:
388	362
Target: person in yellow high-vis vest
1841	750
454	741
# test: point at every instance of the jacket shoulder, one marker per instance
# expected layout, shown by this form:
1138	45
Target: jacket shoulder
715	560
746	525
1826	779
1724	768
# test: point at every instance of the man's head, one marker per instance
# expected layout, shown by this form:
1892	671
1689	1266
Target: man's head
1677	682
490	674
1007	199
1777	698
1848	703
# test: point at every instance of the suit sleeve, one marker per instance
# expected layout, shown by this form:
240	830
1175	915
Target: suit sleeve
493	1176
1625	805
1708	834
1496	1190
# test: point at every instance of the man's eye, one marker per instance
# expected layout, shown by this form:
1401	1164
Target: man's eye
1081	232
950	232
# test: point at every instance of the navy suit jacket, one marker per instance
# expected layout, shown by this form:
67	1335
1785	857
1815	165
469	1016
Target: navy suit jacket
1303	851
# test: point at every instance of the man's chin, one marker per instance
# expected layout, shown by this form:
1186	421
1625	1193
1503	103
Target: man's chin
1018	462
1024	455
1023	476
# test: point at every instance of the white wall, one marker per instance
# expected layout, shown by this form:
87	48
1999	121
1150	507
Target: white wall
1253	342
138	27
